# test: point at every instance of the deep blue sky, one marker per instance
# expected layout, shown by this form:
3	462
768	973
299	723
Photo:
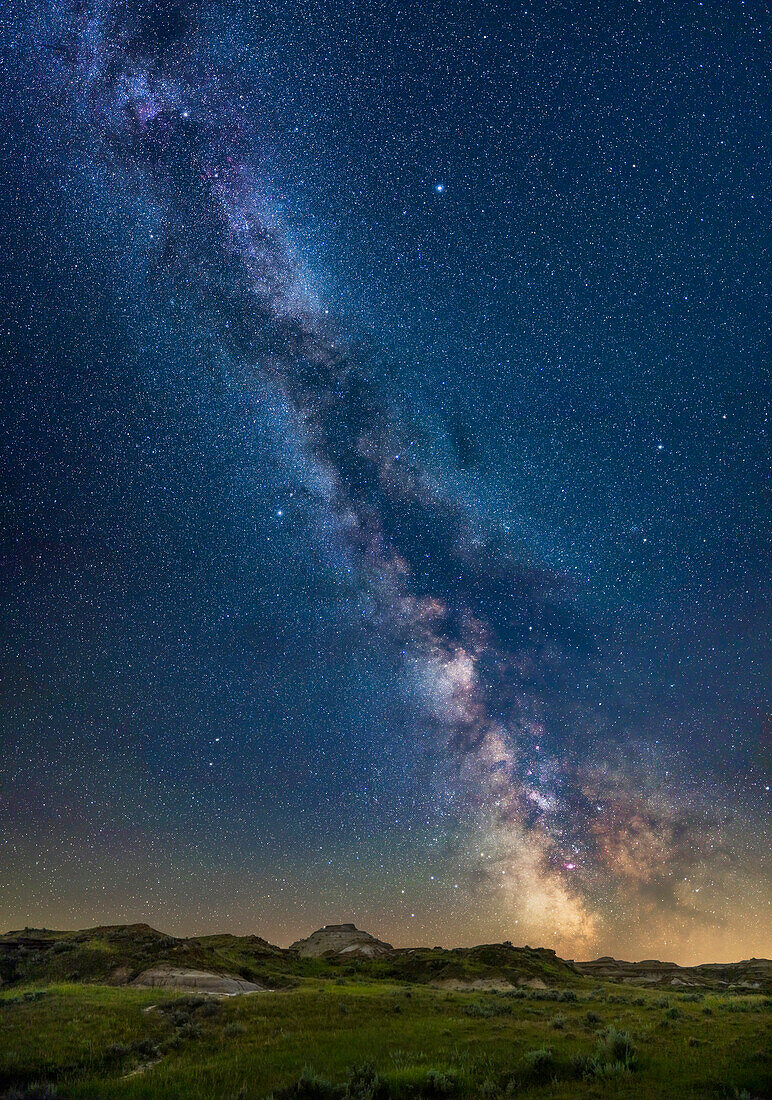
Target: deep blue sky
537	231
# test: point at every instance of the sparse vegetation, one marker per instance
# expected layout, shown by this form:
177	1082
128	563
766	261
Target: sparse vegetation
365	1035
86	1042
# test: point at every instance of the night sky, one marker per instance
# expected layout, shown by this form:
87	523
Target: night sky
384	533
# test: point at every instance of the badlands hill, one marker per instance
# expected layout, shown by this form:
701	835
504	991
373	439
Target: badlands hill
139	955
342	940
749	974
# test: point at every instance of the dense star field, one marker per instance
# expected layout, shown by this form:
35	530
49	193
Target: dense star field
383	525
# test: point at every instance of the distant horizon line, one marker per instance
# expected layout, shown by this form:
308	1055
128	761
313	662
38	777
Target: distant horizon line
351	924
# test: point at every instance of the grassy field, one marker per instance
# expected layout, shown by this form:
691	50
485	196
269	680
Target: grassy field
365	1040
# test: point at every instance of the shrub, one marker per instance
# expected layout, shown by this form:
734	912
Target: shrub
144	1048
183	1010
488	1090
233	1028
591	1018
558	1022
440	1084
363	1082
190	1030
617	1046
485	1009
673	1013
596	1067
614	1056
540	1063
42	1090
567	995
116	1050
310	1086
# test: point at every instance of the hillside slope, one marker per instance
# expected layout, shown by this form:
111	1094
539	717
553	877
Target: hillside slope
341	940
118	954
749	974
121	954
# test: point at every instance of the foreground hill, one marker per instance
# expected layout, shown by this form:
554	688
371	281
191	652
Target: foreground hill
139	955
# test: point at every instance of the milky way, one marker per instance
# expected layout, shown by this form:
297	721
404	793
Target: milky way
562	833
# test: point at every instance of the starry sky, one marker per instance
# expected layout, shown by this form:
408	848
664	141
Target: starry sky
384	531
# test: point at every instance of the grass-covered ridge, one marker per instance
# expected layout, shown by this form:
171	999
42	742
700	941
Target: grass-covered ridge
118	954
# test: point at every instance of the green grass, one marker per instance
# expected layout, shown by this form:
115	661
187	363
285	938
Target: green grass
119	953
407	1041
